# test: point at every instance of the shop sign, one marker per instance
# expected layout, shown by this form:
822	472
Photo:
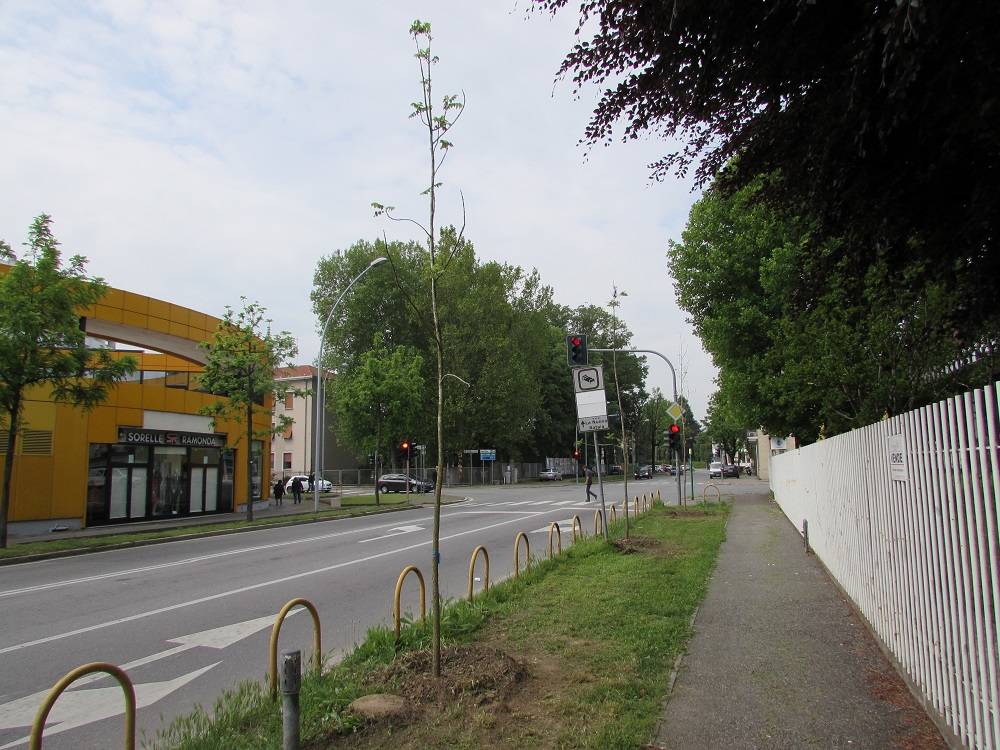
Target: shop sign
140	436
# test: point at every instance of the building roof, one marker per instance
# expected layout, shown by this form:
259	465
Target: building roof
297	372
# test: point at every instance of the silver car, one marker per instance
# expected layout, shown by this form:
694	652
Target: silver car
549	475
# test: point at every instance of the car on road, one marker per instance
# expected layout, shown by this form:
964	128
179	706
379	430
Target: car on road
325	485
666	469
715	470
644	472
549	475
398	483
729	470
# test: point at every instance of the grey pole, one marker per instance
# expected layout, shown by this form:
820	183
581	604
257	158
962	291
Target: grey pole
319	421
600	484
291	683
678	456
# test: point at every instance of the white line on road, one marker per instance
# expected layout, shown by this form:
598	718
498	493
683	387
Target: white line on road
251	587
188	561
399	531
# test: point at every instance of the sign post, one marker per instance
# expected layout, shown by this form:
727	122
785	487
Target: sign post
592	416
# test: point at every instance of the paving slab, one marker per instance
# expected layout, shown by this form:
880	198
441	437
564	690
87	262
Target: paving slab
781	659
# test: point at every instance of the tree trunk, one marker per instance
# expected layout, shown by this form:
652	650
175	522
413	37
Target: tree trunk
378	442
250	447
435	584
8	469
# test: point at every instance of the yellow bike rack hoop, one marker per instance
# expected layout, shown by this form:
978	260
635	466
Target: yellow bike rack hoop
472	568
577	524
517	550
38	726
399	588
555	527
276	630
598	522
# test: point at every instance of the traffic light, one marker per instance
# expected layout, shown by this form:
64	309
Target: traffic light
404	448
576	454
576	350
674	436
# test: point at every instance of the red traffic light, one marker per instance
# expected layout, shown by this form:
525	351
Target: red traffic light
575	340
675	428
576	453
405	446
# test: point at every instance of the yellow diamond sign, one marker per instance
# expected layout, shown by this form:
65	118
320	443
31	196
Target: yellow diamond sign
675	411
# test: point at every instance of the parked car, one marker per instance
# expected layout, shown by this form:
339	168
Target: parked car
644	472
549	475
398	482
615	469
715	469
729	470
325	485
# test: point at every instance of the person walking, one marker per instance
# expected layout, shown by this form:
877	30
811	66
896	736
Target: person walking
297	490
590	481
279	491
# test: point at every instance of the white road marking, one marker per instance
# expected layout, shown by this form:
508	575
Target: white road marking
188	561
253	587
563	525
398	529
76	708
565	502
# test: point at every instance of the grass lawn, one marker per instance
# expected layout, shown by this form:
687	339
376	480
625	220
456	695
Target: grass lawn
576	653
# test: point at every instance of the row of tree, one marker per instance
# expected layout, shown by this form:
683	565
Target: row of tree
504	336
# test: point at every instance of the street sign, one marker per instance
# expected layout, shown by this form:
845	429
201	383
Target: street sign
471	450
592	404
588	379
675	411
593	424
487	454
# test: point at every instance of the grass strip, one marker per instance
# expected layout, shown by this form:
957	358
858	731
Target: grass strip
597	630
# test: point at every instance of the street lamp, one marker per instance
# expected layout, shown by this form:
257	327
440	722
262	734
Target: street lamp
320	420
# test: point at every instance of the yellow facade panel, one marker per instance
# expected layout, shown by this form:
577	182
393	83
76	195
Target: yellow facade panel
198	320
128	417
128	395
39	415
32	488
160	325
136	303
153	398
139	320
114	298
173	400
159	309
102	425
178	329
111	314
179	314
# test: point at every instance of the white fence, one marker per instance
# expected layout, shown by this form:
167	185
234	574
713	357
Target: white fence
917	553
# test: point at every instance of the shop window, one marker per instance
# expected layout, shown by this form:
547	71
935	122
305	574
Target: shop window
286	461
97	477
226	486
176	380
289	401
256	469
129	454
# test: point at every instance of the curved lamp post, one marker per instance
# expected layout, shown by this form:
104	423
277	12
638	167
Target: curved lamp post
319	421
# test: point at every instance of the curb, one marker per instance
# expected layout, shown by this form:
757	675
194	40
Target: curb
186	537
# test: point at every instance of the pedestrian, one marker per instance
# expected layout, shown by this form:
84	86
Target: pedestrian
590	481
279	491
297	490
312	478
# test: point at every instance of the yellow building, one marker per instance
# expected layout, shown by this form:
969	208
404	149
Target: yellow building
145	453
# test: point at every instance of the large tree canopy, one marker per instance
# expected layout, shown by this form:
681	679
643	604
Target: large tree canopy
880	115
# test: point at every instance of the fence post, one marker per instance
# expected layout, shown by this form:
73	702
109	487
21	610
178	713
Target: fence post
805	534
291	683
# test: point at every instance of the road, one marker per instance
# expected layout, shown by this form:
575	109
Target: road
190	618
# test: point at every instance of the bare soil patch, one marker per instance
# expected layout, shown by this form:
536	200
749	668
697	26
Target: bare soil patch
636	544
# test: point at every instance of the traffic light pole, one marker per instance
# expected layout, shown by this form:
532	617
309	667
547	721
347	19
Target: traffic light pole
673	373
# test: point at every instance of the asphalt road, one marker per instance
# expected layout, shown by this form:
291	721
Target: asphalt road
190	618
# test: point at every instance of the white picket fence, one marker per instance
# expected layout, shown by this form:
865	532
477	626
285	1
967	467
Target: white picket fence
918	554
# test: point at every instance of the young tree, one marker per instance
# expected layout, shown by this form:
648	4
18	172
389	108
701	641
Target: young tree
240	363
41	343
379	399
437	127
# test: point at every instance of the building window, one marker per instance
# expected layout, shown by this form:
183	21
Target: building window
176	380
289	397
286	461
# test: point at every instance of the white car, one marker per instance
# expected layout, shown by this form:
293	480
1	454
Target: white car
325	485
715	470
549	475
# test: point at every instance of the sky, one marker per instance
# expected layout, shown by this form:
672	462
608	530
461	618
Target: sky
200	151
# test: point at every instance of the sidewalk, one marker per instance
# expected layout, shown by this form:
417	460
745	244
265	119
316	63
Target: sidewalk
780	659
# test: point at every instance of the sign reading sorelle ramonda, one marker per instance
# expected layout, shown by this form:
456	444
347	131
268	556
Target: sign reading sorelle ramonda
140	436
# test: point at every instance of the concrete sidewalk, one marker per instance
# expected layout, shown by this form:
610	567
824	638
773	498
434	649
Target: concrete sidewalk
780	659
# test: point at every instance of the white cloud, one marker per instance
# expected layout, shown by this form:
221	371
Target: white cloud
246	140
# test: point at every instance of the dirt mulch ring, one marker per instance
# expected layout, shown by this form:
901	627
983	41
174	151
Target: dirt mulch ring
476	673
637	544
